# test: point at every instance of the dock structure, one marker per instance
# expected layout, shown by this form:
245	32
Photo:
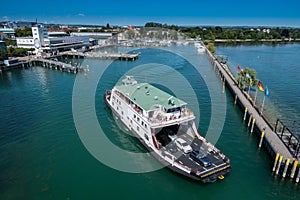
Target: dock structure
265	131
57	65
47	63
101	55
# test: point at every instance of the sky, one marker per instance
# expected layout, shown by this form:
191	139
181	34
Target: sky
138	12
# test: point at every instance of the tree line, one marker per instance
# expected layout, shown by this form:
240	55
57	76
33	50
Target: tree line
233	33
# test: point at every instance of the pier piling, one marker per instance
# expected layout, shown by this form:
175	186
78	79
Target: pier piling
252	127
286	167
276	161
249	121
246	109
295	164
235	99
261	138
279	164
298	176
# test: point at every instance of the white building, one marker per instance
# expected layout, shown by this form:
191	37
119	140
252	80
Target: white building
40	40
40	35
102	37
25	42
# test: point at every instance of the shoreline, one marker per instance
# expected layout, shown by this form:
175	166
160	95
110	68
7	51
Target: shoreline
251	41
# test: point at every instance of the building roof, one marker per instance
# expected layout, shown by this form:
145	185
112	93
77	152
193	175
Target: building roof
148	97
7	30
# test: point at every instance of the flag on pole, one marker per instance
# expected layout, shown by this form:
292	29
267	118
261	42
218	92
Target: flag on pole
260	86
251	82
242	71
267	91
247	75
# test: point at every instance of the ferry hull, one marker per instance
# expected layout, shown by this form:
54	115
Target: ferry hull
192	176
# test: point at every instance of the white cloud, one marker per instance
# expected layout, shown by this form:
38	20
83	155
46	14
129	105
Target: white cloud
81	14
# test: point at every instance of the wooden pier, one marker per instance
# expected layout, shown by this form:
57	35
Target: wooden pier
57	65
100	55
285	160
47	63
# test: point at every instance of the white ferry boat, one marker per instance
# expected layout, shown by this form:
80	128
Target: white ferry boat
166	127
200	47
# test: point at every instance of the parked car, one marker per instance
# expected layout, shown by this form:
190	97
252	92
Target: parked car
183	145
200	158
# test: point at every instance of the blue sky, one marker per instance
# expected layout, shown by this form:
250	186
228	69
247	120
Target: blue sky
121	12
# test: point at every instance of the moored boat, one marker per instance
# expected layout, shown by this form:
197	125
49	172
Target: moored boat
166	127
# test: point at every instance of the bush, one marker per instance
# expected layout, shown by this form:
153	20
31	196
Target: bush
211	47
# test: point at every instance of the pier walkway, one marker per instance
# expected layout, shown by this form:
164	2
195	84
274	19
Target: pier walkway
56	65
101	55
246	102
286	161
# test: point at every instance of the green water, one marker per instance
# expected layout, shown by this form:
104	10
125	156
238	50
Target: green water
42	156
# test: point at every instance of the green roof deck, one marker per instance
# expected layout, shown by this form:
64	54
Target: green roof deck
148	97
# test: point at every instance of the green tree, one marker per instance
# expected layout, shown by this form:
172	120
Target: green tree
211	47
159	35
25	32
246	78
3	55
9	42
16	52
173	35
130	34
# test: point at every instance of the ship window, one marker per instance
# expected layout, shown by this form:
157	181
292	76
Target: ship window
142	123
138	119
138	128
146	136
134	116
122	112
145	125
117	108
113	103
131	121
114	97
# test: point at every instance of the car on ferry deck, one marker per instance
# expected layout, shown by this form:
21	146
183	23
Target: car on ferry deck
183	145
200	158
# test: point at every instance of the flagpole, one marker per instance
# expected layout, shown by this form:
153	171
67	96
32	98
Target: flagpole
262	107
255	96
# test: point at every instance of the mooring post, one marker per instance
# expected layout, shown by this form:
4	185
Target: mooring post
279	164
294	168
287	162
223	89
246	109
276	161
298	176
261	138
253	122
250	118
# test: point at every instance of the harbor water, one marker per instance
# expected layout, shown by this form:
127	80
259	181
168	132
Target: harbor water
43	157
